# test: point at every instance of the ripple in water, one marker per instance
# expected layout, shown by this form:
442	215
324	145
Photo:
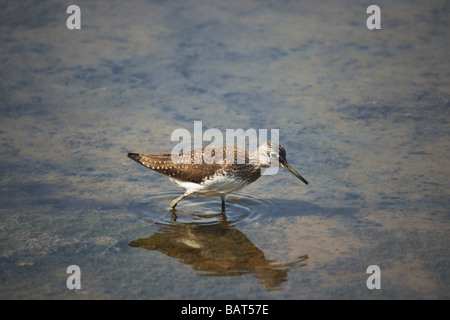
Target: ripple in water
241	209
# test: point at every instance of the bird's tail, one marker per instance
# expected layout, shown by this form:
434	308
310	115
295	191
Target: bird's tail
135	156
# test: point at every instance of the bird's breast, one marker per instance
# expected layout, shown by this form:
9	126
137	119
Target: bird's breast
216	185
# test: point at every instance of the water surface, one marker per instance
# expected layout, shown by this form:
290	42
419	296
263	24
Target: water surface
363	115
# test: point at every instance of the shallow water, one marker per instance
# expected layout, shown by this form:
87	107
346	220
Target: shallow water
363	116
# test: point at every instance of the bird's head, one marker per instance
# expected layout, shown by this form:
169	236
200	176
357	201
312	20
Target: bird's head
270	152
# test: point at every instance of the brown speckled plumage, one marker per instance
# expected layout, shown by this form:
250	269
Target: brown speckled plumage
188	170
215	179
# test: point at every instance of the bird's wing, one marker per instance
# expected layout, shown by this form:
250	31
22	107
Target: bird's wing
183	169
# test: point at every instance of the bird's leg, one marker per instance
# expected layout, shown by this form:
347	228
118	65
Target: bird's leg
175	202
223	203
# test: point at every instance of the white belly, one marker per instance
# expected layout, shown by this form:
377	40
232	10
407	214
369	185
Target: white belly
218	186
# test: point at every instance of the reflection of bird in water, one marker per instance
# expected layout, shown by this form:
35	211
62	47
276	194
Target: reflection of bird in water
218	250
210	178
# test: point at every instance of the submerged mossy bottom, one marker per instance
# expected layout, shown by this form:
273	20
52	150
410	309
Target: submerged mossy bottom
363	115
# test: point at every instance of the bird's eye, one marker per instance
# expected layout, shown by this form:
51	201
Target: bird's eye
274	155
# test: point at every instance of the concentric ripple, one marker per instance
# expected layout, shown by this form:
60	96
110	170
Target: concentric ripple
241	209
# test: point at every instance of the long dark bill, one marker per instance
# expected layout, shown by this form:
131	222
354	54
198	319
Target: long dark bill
292	170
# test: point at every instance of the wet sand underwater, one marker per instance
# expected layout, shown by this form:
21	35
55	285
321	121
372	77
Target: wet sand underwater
363	116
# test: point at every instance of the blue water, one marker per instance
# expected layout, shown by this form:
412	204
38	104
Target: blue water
363	115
